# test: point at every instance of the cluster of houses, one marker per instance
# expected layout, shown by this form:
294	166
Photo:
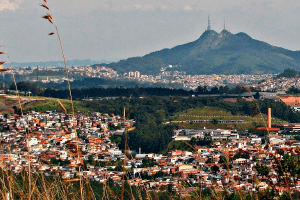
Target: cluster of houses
191	82
56	143
277	84
41	139
217	134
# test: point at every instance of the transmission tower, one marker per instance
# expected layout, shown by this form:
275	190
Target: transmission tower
208	26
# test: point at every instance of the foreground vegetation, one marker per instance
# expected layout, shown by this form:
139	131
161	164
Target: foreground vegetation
17	186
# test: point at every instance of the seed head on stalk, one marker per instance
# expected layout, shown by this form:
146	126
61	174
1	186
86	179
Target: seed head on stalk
45	6
50	18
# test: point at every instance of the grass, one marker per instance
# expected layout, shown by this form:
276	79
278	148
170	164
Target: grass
178	145
211	113
188	125
8	100
51	104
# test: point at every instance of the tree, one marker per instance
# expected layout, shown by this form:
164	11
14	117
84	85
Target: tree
237	156
293	90
257	95
288	73
208	160
246	156
202	90
91	160
214	121
214	90
215	169
262	170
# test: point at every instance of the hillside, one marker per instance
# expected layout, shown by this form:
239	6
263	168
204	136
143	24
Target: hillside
182	119
218	53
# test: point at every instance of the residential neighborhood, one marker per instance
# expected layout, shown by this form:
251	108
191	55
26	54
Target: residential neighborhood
57	144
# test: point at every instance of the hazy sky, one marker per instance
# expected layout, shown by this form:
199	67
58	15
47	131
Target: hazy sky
108	29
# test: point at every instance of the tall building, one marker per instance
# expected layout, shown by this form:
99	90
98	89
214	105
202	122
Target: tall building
131	74
137	74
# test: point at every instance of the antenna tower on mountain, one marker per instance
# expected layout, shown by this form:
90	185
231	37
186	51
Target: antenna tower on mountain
224	26
208	26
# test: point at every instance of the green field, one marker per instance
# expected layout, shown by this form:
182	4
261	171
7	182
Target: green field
213	113
52	104
43	104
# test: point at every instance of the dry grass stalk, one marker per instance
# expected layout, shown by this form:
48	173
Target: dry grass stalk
50	18
26	131
62	106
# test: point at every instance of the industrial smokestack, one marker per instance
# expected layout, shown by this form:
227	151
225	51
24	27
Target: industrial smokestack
269	118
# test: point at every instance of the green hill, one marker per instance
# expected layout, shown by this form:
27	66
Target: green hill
218	53
216	113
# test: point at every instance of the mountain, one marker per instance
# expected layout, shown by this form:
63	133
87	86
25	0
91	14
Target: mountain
75	62
215	53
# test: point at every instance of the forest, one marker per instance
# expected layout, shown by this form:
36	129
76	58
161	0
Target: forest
135	91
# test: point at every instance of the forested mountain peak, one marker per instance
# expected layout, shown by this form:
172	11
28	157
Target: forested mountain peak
216	53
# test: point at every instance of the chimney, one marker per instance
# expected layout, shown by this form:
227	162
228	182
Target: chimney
140	150
269	118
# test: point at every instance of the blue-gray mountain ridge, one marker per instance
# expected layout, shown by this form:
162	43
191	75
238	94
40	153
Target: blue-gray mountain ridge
215	53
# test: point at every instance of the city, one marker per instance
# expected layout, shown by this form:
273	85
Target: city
133	100
264	82
54	142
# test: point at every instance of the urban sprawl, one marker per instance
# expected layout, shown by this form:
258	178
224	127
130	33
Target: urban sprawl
263	82
57	143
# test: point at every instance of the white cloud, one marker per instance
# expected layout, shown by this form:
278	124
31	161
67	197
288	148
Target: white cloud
209	6
187	5
187	8
10	5
148	7
138	6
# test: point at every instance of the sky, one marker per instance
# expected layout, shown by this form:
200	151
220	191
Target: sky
118	29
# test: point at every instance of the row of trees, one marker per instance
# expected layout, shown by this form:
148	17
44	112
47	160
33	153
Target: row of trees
288	73
222	90
95	91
